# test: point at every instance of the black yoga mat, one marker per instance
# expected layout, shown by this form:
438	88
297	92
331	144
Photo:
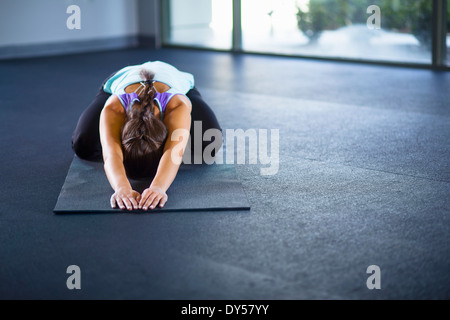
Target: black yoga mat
196	188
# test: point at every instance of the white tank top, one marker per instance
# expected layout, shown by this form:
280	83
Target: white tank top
178	81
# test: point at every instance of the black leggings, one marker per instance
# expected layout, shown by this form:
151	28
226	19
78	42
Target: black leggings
86	137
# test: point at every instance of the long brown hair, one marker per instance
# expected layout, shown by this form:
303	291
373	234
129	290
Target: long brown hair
143	135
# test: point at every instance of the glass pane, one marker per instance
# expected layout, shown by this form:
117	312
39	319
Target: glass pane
202	23
448	33
382	30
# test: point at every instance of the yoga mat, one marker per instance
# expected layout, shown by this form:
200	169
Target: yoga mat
195	188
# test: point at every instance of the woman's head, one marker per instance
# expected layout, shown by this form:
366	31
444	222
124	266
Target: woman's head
143	135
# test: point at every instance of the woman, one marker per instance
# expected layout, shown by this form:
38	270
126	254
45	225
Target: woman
130	124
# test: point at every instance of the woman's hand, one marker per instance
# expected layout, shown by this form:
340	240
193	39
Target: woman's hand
151	197
125	198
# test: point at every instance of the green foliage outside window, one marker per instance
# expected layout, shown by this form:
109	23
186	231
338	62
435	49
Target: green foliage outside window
409	16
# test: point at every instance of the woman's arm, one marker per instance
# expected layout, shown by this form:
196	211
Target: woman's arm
177	119
112	119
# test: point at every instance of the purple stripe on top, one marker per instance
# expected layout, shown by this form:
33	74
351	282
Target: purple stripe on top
162	99
128	99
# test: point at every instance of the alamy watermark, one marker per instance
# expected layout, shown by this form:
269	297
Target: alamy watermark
74	20
74	280
252	146
374	21
374	281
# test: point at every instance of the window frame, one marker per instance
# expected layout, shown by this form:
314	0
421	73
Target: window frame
438	54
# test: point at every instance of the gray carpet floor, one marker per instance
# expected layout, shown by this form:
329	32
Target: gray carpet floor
363	179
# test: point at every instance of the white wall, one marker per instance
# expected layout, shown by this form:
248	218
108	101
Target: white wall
28	22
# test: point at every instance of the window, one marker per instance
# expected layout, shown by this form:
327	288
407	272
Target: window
448	33
400	31
199	23
397	31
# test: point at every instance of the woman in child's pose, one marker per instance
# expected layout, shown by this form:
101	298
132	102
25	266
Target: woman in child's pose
130	124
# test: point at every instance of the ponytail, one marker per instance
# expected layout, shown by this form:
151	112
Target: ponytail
143	135
147	94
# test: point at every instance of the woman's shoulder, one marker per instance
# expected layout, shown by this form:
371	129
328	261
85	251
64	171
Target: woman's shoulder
176	100
115	105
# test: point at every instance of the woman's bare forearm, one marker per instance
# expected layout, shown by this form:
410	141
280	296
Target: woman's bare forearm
112	119
115	172
166	173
